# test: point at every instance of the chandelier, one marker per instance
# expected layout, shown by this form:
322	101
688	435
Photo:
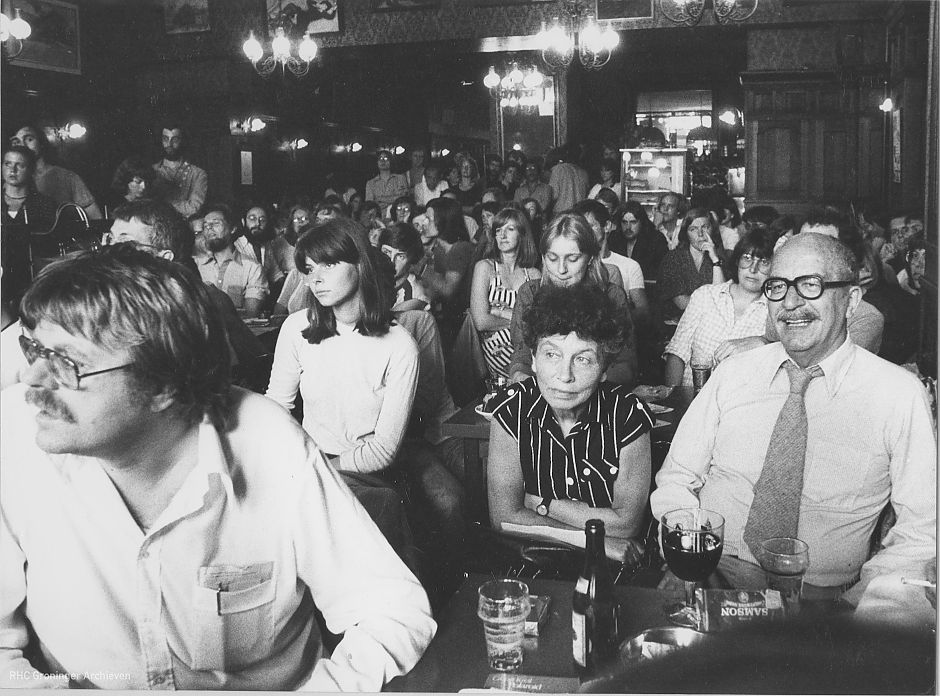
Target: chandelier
282	54
518	88
689	12
576	31
13	32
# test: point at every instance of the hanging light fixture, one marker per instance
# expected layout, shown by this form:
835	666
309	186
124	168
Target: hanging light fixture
689	12
576	29
282	54
519	88
13	32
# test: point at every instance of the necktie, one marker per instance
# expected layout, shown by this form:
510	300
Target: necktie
776	508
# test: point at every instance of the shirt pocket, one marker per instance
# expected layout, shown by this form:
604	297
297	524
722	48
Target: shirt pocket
234	615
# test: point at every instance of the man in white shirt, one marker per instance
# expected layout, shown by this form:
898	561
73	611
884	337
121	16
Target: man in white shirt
869	439
670	209
161	529
237	275
431	185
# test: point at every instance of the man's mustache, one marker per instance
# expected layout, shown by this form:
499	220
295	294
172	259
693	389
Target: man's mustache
48	403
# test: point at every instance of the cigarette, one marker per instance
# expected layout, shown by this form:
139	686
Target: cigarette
919	583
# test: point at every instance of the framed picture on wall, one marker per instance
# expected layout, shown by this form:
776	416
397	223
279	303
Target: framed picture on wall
392	5
186	16
54	42
624	9
298	17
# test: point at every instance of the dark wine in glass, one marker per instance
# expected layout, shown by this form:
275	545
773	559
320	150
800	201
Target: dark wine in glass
691	540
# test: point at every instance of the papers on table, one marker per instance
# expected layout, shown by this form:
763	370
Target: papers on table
571	537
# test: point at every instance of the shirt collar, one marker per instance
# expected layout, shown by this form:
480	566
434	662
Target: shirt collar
834	366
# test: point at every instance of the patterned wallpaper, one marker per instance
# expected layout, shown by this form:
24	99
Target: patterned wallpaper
797	48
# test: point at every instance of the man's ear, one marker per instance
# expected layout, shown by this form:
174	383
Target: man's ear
855	296
166	254
162	400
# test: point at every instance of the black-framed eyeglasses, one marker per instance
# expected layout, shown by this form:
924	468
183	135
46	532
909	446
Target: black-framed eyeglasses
809	287
748	260
63	368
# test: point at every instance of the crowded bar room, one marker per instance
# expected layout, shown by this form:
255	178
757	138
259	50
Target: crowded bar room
469	345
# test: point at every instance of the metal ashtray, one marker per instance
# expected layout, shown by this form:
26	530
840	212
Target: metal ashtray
657	642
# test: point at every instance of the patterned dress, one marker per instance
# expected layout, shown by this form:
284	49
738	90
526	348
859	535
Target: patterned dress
497	345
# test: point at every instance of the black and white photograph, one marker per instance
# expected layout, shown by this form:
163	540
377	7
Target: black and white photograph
463	346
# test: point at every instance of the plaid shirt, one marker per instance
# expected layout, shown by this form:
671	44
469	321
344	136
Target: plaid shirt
709	319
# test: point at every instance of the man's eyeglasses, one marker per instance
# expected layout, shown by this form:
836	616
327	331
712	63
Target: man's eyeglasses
748	261
300	218
213	224
63	368
809	287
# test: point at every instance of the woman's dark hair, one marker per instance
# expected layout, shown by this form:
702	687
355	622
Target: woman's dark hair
448	218
128	170
759	216
491	207
334	204
611	165
607	198
404	237
393	212
691	216
636	209
527	254
341	239
781	225
757	243
371	205
582	309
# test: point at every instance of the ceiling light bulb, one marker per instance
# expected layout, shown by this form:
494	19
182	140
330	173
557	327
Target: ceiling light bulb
399	150
19	27
533	79
728	117
4	26
445	152
887	105
256	125
307	49
611	38
252	48
491	81
301	143
515	74
280	46
75	130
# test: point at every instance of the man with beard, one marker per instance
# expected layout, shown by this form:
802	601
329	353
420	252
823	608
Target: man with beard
844	431
197	526
260	242
158	229
225	267
179	182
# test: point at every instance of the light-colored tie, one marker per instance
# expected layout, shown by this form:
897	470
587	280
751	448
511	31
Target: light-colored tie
775	511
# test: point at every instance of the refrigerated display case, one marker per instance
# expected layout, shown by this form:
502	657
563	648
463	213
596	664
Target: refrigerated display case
647	173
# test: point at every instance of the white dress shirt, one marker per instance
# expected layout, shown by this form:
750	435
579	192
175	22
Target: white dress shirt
219	593
870	441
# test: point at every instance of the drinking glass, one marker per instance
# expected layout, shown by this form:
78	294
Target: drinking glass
493	384
691	540
701	371
503	606
785	561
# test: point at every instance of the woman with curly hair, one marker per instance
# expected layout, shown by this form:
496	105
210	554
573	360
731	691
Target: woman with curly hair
509	261
586	452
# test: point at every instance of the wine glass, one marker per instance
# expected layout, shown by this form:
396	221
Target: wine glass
691	540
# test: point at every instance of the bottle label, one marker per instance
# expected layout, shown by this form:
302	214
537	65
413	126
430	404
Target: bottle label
581	587
579	638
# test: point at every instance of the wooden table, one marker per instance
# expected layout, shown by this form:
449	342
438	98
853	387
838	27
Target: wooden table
456	658
473	429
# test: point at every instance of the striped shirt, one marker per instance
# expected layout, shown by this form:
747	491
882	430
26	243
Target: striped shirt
584	464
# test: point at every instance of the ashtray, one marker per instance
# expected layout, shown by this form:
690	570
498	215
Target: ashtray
652	392
657	642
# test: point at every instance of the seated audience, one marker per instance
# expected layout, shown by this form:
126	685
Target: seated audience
639	240
225	528
401	243
725	210
385	186
758	216
534	187
716	313
536	214
447	269
696	261
827	398
402	209
238	276
345	344
608	199
58	183
156	227
132	181
509	261
371	212
629	271
565	445
571	257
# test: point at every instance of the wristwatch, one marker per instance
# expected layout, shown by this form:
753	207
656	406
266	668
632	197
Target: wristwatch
542	508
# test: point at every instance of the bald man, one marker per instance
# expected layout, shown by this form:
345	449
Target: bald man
869	439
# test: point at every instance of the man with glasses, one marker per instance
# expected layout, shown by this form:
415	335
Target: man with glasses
161	529
232	272
386	186
865	438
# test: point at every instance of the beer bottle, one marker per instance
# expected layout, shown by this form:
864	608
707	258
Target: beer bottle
593	607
